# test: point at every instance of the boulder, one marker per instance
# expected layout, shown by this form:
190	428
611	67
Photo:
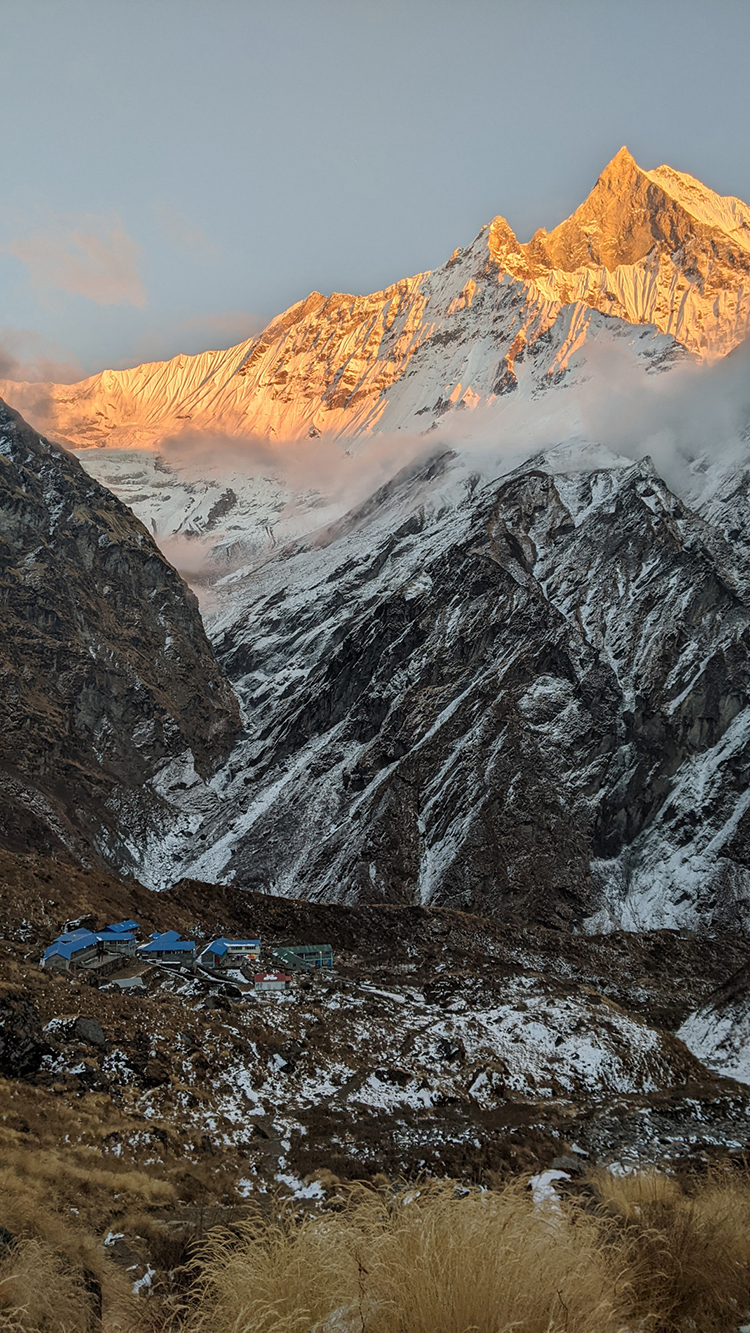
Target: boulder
89	1031
22	1046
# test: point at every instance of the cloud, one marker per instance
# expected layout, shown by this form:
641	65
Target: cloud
89	254
25	357
180	231
28	363
339	472
693	420
192	556
688	419
319	480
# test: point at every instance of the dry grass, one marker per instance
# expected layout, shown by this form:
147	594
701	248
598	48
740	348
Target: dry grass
687	1255
629	1253
415	1262
55	1275
40	1292
639	1252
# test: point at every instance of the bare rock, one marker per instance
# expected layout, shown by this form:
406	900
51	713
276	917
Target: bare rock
89	1031
22	1046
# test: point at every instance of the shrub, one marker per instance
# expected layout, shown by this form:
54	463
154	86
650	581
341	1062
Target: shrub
686	1255
420	1260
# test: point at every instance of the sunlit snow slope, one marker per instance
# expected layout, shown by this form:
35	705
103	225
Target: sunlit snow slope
653	249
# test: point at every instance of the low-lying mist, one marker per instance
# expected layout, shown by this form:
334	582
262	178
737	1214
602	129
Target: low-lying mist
693	420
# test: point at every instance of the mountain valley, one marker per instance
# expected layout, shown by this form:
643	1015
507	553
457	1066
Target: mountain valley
466	694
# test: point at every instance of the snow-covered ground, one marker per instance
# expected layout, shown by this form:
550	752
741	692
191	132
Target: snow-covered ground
311	1071
718	1033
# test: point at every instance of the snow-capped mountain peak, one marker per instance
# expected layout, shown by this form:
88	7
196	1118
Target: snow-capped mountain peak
722	212
654	249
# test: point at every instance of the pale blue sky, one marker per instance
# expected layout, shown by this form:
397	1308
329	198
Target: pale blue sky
176	172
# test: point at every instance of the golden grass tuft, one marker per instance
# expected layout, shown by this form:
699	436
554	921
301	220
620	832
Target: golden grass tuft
418	1261
55	1274
640	1253
42	1293
635	1252
686	1254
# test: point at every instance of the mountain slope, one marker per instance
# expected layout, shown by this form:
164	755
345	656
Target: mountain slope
512	697
654	249
107	672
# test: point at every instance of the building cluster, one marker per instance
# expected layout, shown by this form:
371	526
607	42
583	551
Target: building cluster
90	948
103	950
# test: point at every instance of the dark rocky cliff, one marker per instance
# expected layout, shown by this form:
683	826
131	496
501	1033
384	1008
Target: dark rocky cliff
106	670
527	699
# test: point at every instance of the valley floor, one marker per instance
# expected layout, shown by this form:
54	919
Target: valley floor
441	1045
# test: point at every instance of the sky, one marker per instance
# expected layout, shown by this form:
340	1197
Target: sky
175	173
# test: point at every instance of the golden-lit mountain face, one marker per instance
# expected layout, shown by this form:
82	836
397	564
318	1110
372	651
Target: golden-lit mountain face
652	261
624	218
651	247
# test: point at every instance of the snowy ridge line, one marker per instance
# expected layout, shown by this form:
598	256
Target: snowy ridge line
652	260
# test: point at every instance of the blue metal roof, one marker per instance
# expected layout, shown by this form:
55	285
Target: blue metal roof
78	934
168	942
74	941
67	945
219	947
115	936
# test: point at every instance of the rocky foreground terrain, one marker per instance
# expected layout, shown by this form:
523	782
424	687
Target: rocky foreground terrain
439	1042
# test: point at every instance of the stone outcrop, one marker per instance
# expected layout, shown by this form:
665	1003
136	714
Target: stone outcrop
526	699
107	672
22	1044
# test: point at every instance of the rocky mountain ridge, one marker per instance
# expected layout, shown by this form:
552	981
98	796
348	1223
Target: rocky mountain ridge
652	262
525	697
653	247
107	671
493	733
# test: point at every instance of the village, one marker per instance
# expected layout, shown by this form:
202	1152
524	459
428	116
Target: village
114	952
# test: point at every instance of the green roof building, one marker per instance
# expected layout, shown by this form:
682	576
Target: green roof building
305	955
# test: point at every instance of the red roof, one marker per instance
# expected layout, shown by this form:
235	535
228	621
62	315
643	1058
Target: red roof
270	976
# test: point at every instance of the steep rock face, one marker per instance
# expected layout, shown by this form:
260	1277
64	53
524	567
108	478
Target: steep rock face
22	1044
719	1031
107	672
654	249
399	359
528	698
